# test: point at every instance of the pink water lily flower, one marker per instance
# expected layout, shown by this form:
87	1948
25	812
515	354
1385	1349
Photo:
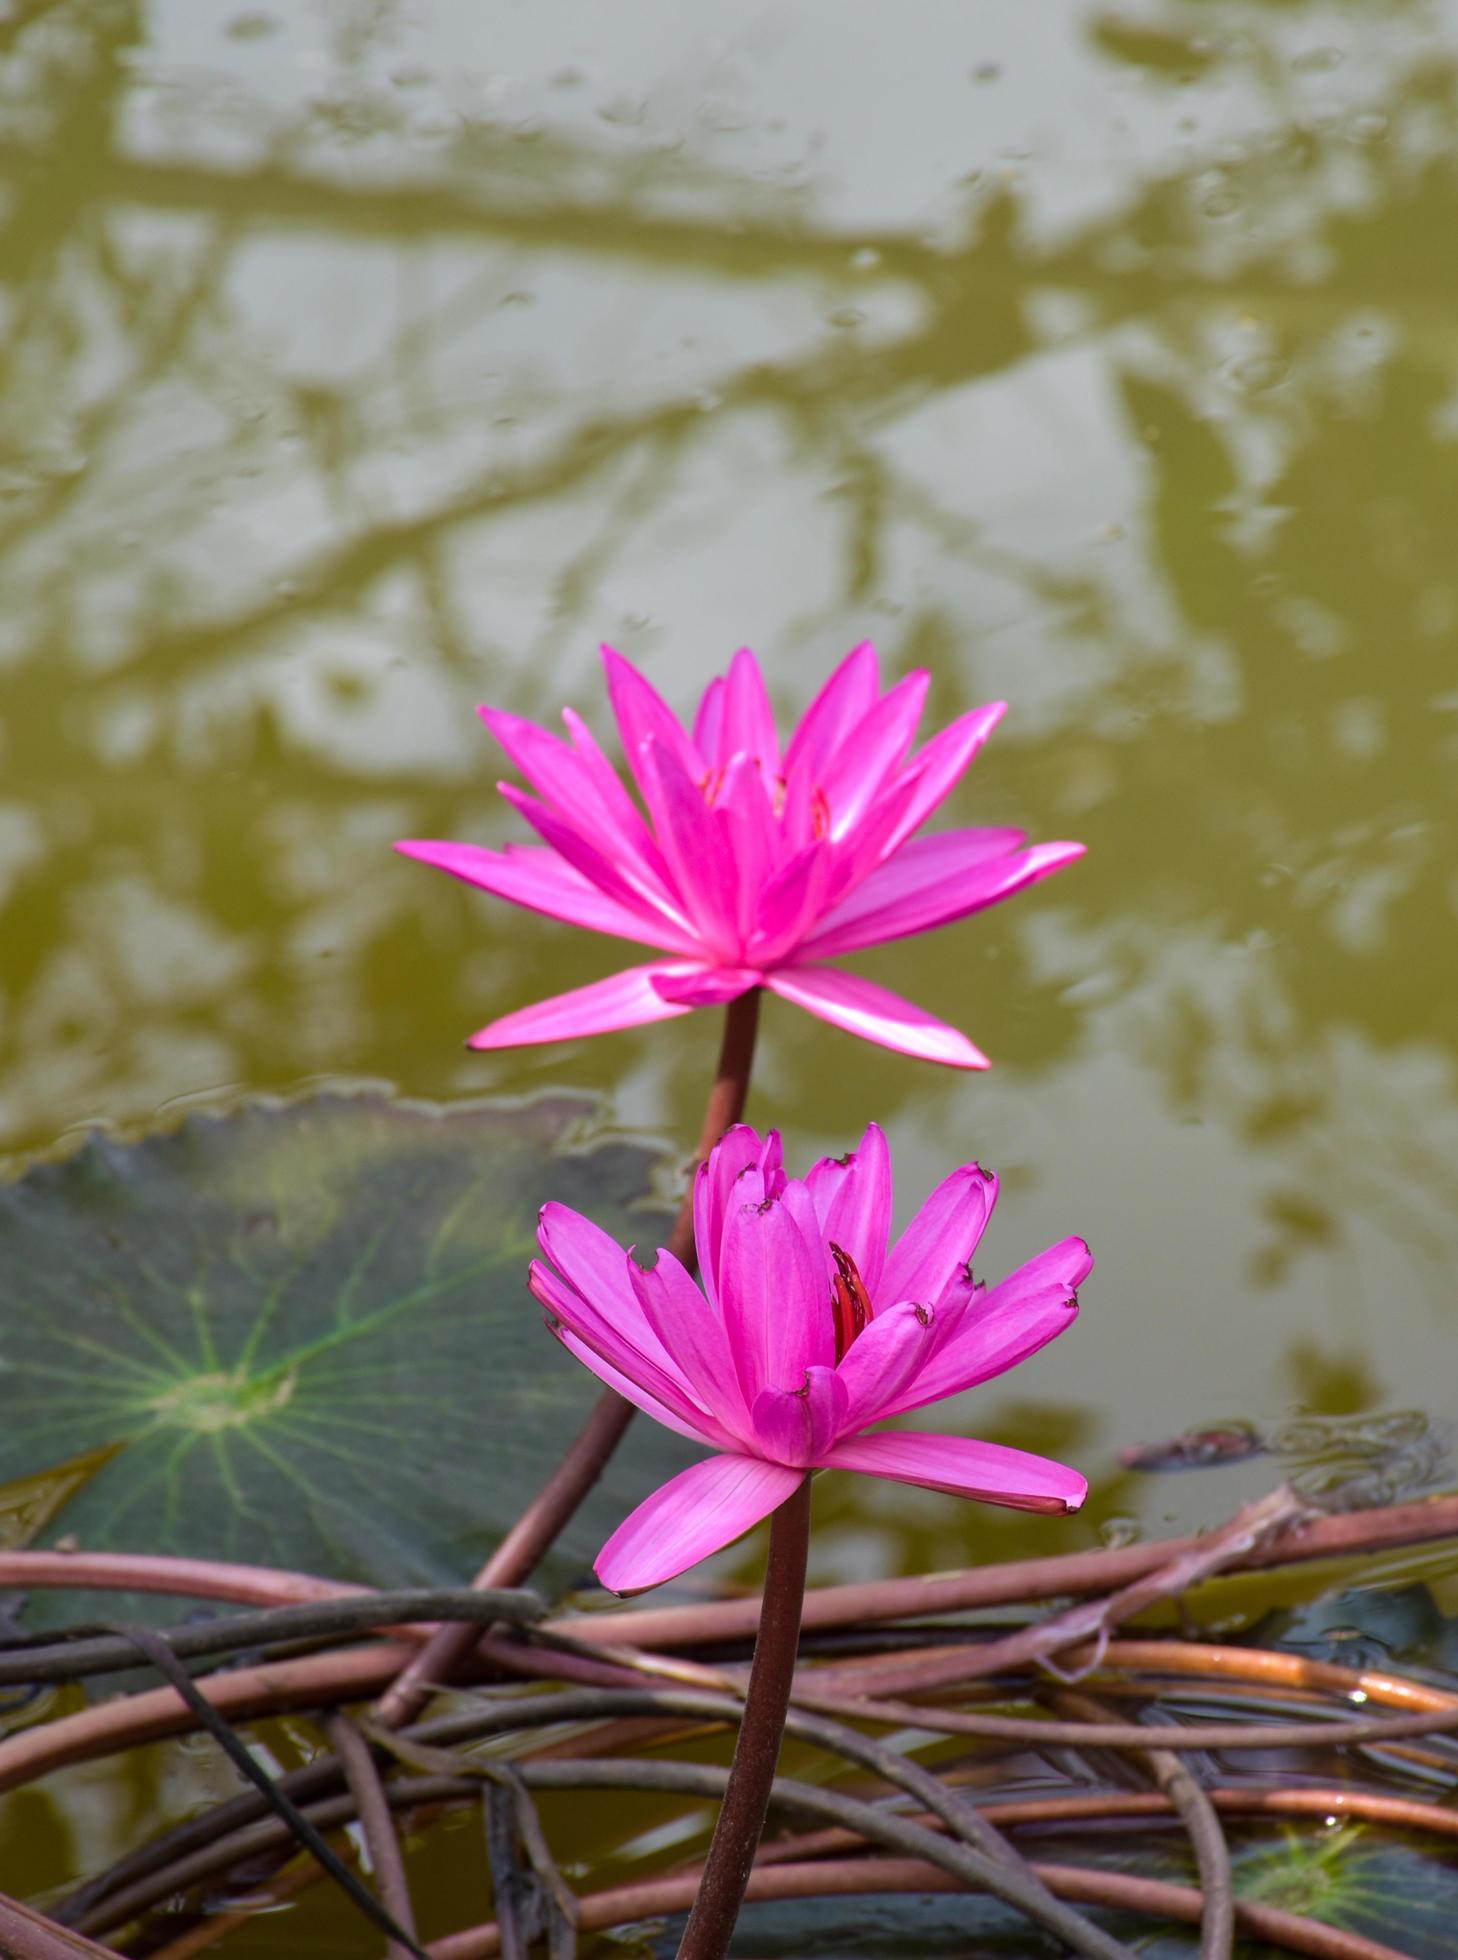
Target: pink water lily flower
747	865
808	1328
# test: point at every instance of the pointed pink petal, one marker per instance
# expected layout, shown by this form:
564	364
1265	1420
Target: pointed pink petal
660	911
641	711
740	1149
797	1201
592	1262
693	1334
623	1000
930	882
942	1237
576	784
884	1358
749	720
596	1331
936	771
853	1203
708	986
609	784
802	812
616	799
797	1426
773	1295
974	892
693	1515
907	797
844	700
697	850
710	720
988	1471
998	1329
630	1390
533	876
790	904
861	1007
608	1317
871	751
743	811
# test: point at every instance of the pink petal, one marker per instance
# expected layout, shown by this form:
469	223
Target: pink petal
749	720
624	1340
623	1000
570	842
871	750
697	850
692	1332
861	1007
844	701
641	711
935	772
592	1262
567	779
798	1425
710	720
632	1391
932	881
942	1237
972	894
533	876
743	812
614	795
692	1516
773	1296
853	1203
988	1471
999	1328
795	1196
883	1359
708	986
907	797
790	903
740	1149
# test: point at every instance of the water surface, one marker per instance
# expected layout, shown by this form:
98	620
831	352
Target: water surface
362	362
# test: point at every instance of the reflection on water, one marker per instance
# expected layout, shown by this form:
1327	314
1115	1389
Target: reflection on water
355	370
358	365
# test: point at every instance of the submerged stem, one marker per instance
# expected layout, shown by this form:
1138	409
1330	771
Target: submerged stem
536	1530
757	1750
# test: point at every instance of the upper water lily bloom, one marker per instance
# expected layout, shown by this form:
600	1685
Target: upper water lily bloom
807	1330
753	864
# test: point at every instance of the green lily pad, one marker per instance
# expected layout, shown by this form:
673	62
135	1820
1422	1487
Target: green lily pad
304	1331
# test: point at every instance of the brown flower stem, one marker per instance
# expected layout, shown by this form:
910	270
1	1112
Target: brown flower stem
852	1877
28	1935
757	1750
537	1529
1190	1801
372	1807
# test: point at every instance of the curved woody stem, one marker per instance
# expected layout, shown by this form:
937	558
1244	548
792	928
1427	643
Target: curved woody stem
536	1530
757	1751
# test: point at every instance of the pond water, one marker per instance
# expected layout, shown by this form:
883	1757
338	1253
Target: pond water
367	360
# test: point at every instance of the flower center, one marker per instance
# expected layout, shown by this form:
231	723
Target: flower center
850	1304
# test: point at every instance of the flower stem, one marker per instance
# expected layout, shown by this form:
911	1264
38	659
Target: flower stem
757	1752
535	1531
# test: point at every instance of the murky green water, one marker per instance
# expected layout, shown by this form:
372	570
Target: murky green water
363	360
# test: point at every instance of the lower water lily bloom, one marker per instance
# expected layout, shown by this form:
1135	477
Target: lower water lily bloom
808	1328
744	864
